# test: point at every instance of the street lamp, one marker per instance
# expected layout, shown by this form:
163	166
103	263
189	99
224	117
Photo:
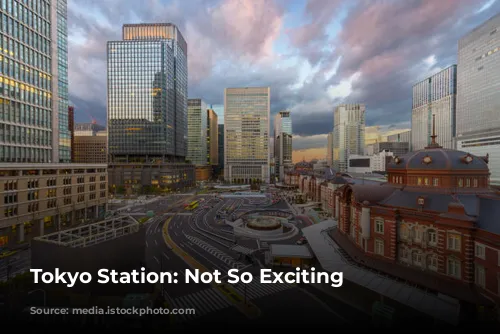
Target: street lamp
44	295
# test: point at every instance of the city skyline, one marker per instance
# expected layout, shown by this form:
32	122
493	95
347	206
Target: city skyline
279	56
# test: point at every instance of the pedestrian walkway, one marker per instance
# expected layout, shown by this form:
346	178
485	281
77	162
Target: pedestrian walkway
256	289
242	250
203	302
232	263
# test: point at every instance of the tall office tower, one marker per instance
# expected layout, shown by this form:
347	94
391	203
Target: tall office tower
71	128
282	143
348	133
246	121
435	95
212	138
478	100
147	94
147	105
33	82
219	110
88	129
329	150
197	132
220	165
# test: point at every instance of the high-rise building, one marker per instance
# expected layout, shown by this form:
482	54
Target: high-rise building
348	133
212	138
478	100
197	132
71	128
90	144
147	94
401	137
435	95
147	107
88	129
329	149
246	121
219	110
220	165
282	144
33	82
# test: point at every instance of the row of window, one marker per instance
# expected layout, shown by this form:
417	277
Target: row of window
11	211
426	181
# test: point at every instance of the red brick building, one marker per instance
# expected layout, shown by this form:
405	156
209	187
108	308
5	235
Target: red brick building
435	223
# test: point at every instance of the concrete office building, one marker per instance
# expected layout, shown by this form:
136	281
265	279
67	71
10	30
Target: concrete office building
147	107
40	197
329	149
197	132
402	137
435	95
219	171
91	149
212	138
246	120
478	100
88	129
282	144
349	133
219	110
398	148
34	82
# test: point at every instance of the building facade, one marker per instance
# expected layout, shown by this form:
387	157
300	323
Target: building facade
478	101
433	224
398	148
42	198
246	121
402	137
435	95
197	151
219	110
212	138
374	163
219	170
349	133
282	144
71	127
329	149
90	149
33	82
147	94
88	129
147	107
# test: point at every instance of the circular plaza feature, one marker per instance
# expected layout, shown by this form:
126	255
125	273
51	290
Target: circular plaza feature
264	223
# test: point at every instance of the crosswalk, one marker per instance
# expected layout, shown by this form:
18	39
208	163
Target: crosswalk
215	252
203	302
256	289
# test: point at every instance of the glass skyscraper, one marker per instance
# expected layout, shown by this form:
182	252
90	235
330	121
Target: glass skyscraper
147	94
246	121
33	82
435	95
197	149
478	98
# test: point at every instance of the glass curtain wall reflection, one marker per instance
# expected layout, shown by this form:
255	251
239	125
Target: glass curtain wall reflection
29	127
147	94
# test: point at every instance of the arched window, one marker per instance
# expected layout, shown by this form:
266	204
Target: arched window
432	262
460	183
404	231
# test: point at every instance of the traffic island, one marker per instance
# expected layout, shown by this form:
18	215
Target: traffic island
247	308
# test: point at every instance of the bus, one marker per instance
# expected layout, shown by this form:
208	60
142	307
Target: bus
193	205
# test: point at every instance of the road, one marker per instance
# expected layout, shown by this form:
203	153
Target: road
202	237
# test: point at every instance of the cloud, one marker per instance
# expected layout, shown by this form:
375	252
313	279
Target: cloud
335	51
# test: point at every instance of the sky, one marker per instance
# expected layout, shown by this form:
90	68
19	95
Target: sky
314	54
